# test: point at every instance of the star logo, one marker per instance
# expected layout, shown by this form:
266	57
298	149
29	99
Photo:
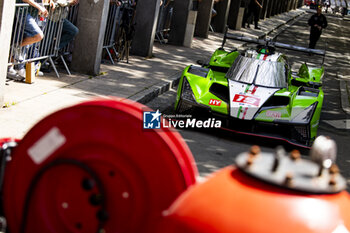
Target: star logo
155	115
151	120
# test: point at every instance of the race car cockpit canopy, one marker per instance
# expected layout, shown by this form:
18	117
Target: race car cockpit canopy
258	72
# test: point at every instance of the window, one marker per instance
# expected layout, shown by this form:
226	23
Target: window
258	72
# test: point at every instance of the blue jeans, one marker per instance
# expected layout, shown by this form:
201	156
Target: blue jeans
31	27
69	31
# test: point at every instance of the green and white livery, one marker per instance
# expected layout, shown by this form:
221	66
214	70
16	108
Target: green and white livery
258	92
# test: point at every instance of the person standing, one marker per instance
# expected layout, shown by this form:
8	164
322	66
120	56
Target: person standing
32	33
327	4
213	11
317	22
69	30
245	4
253	10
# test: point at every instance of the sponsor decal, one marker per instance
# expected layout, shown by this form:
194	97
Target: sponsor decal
273	114
252	90
247	88
245	113
153	120
239	111
215	102
246	99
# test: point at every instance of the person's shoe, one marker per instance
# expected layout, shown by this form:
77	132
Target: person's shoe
257	28
37	70
22	73
18	54
39	73
11	72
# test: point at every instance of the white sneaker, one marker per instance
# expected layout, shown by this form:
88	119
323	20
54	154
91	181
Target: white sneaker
37	70
22	73
11	71
18	54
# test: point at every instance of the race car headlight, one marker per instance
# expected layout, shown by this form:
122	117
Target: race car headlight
306	115
187	93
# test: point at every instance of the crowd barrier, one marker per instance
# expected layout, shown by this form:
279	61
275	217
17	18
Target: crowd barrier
67	50
164	20
119	30
113	19
47	48
339	6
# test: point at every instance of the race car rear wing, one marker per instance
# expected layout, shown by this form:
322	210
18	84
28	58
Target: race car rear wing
271	43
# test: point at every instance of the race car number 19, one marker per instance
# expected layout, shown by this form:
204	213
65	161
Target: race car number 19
246	99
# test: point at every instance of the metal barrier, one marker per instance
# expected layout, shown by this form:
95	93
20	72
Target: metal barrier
120	30
44	49
339	6
67	50
164	20
114	16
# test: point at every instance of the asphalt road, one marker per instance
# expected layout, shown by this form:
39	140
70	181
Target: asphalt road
214	149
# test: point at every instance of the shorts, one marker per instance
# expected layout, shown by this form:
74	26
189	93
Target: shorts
31	27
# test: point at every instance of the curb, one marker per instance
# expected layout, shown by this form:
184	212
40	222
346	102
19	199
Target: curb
279	29
344	94
154	91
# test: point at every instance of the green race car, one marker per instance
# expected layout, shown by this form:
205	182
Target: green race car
257	91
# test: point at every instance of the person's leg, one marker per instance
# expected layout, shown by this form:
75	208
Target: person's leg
314	36
256	18
32	40
69	31
249	16
213	12
317	36
258	12
312	41
32	32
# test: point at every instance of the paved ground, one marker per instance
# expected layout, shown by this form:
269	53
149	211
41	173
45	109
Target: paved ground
140	79
214	149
